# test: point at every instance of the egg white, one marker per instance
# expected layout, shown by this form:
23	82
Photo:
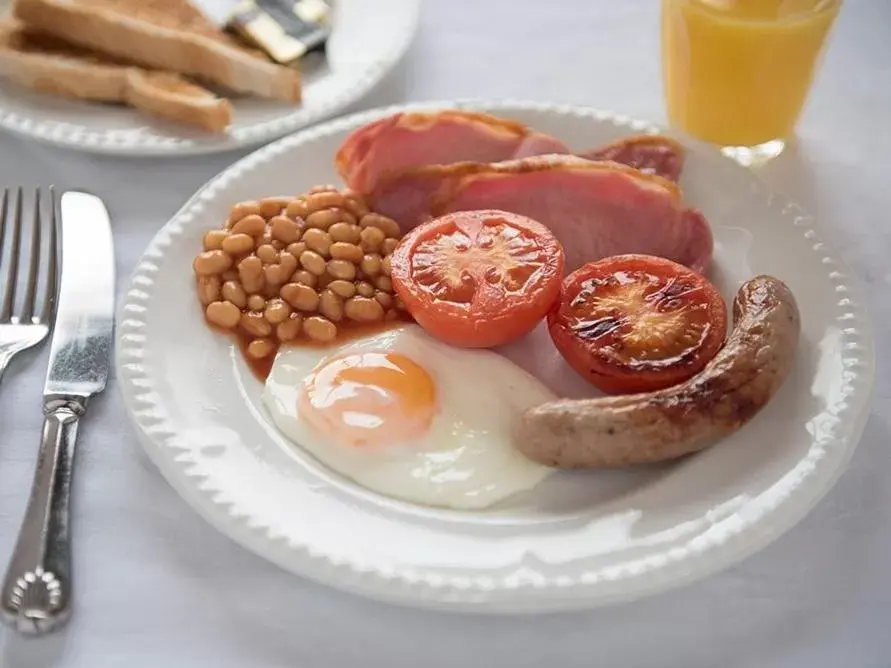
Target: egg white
465	461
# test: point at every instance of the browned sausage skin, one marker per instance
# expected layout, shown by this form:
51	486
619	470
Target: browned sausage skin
656	426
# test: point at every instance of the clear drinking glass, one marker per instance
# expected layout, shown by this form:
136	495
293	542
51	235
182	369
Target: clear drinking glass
737	72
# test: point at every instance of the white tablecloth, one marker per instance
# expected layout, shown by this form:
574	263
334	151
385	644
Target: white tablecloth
157	586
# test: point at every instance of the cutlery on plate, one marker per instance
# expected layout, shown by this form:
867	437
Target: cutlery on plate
32	268
36	593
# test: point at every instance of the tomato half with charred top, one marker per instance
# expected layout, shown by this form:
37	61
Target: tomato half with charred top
478	279
635	323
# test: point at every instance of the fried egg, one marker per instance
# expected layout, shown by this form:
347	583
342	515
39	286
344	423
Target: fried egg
408	416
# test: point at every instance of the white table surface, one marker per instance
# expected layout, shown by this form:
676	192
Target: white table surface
157	586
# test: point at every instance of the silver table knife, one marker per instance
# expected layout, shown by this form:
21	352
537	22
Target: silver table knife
36	594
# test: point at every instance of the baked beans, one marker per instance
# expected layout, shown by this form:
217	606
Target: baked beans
345	289
296	248
223	314
243	210
238	244
327	199
348	232
385	299
331	306
273	206
342	269
312	262
289	330
343	250
250	272
370	264
256	303
233	292
267	254
296	209
260	348
255	324
301	297
388	226
214	239
285	269
212	262
305	278
275	275
253	225
318	241
288	264
319	329
388	246
283	229
326	218
372	238
209	288
277	311
363	309
384	284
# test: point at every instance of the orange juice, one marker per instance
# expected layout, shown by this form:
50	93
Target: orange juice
737	72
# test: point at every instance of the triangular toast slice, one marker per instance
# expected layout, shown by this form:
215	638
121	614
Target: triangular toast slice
45	63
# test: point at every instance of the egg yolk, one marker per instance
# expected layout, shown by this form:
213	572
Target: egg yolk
369	399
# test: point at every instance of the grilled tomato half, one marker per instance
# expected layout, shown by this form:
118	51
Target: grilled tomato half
635	323
478	279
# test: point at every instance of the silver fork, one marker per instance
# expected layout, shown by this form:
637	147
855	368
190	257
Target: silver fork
28	324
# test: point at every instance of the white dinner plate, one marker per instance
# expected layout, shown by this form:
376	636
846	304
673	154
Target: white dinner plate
367	41
579	539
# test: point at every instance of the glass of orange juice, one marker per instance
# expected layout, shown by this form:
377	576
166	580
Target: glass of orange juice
737	72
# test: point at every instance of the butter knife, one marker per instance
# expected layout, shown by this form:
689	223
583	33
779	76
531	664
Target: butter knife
36	593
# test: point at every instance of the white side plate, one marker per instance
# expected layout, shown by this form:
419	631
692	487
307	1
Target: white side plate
580	539
368	40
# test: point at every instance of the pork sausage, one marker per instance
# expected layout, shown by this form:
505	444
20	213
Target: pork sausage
657	426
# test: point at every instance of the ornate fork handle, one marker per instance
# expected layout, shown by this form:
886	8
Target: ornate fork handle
36	592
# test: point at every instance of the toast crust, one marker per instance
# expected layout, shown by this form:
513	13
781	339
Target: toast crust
170	96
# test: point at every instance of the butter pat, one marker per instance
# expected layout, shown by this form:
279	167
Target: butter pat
285	30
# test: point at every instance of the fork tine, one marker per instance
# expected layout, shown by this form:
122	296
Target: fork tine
33	263
49	295
13	271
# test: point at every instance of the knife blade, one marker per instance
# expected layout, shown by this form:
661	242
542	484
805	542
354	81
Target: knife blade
79	353
36	594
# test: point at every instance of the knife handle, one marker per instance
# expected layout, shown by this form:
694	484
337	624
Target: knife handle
36	592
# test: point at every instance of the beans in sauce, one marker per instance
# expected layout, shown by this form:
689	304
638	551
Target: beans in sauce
310	269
